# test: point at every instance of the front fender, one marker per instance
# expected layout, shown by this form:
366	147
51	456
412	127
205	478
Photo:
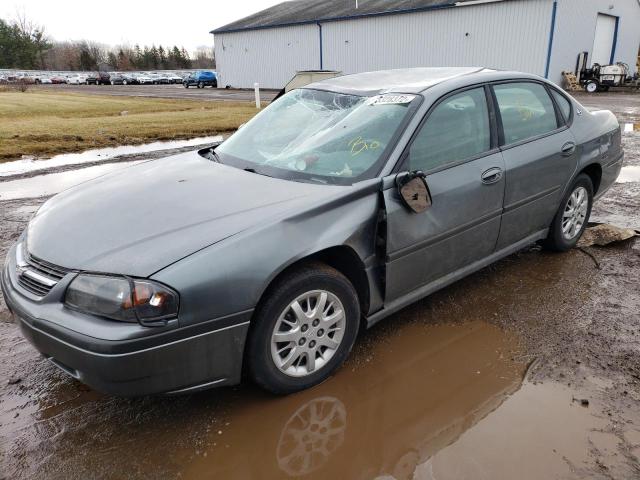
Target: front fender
231	276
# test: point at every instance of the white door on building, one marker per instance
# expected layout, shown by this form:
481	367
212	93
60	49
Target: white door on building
604	38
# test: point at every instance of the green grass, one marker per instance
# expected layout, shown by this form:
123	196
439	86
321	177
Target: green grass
46	123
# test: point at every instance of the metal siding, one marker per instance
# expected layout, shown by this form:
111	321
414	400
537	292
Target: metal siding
576	27
511	35
270	57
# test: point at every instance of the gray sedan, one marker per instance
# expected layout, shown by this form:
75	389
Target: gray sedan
336	206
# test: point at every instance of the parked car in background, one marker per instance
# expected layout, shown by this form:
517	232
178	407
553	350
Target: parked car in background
116	78
38	79
77	79
98	78
160	78
144	79
383	186
201	79
3	79
92	79
58	79
129	79
25	78
104	78
174	78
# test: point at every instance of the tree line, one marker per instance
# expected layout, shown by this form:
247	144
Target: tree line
24	45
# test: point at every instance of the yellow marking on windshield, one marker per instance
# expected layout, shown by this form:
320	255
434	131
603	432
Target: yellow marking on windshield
358	145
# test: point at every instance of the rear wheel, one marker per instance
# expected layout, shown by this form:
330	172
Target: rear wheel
304	330
572	217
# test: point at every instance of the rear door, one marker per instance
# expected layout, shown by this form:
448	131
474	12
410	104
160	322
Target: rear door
540	156
456	147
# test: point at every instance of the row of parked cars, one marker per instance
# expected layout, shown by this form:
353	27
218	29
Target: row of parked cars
199	79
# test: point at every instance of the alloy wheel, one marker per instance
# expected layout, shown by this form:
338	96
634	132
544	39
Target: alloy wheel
575	213
308	333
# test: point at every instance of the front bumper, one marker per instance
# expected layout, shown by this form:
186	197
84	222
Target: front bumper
128	359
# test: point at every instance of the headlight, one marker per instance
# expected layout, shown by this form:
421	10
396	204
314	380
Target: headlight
122	298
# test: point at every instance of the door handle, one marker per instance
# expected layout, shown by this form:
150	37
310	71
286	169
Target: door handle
568	149
493	175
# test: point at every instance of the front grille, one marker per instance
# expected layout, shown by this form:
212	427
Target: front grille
46	268
39	276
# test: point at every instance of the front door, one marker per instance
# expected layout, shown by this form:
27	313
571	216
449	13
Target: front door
464	171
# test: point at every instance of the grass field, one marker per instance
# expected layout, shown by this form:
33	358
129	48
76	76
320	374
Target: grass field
46	123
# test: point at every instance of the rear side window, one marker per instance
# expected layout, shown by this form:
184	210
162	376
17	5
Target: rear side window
526	110
563	103
457	129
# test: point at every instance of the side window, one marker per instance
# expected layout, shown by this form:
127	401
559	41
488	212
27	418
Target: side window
458	128
563	103
526	110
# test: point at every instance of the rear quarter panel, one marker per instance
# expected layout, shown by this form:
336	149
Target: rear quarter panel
599	139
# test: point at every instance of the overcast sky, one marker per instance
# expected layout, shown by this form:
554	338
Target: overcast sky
182	22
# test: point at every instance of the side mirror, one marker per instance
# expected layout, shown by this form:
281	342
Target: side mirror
414	192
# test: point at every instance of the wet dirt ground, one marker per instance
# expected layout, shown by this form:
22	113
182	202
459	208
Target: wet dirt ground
528	369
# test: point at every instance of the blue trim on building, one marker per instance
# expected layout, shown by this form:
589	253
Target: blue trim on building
320	32
554	14
615	41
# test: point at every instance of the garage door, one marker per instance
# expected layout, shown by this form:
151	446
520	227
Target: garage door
603	41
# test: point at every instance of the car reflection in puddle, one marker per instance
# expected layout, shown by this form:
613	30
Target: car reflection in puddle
382	415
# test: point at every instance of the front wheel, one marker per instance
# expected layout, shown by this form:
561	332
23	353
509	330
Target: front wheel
304	330
592	86
186	85
572	217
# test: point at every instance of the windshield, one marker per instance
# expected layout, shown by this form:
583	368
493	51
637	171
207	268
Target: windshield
310	133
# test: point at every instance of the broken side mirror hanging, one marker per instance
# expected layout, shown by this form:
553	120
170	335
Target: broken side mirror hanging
413	191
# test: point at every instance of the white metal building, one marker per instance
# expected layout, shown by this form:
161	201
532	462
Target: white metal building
538	36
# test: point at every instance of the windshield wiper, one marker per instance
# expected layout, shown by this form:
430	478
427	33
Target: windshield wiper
210	154
214	156
253	170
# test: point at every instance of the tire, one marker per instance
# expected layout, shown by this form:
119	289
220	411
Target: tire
592	86
200	85
186	85
558	240
305	285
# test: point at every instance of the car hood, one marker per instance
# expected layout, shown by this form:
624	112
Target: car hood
140	219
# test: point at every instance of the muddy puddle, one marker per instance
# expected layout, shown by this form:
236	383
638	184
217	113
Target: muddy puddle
52	183
629	174
32	164
385	414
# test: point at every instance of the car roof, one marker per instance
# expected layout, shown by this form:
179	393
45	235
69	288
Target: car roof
410	80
